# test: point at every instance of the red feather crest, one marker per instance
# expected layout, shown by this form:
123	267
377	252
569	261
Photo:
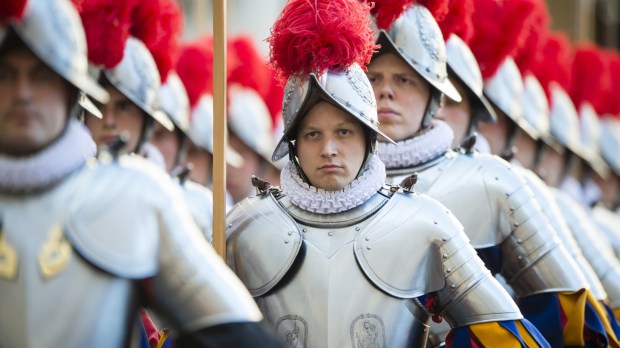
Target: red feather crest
387	11
144	21
458	21
530	53
500	29
195	68
612	102
590	77
312	36
248	68
12	9
170	26
557	63
438	8
106	24
274	97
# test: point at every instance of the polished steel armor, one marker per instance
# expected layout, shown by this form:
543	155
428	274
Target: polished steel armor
353	278
52	29
535	108
249	120
137	78
599	254
590	131
464	65
610	143
505	90
564	121
547	202
350	90
497	208
175	102
199	201
608	223
82	247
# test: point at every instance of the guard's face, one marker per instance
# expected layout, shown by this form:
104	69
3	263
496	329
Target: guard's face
402	96
202	162
168	143
551	166
331	147
33	103
457	114
496	133
238	182
119	115
526	149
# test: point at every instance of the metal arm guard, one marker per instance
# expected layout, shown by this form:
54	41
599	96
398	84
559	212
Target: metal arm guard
600	255
133	223
552	211
497	207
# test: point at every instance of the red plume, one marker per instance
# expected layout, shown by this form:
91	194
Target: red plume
312	36
557	63
458	20
195	68
530	53
144	19
438	8
166	50
500	29
77	4
387	11
590	77
249	69
612	102
106	24
12	9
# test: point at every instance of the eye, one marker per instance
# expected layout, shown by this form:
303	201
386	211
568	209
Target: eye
312	134
373	79
344	131
43	75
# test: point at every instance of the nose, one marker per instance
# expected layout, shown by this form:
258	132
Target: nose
385	90
109	121
23	90
329	147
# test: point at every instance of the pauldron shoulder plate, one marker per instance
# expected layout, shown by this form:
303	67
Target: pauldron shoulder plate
262	242
115	216
410	233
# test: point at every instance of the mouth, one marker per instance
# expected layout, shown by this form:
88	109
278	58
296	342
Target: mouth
107	138
387	114
330	168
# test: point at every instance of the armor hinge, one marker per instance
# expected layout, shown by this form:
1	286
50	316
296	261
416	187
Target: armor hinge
264	187
467	146
115	146
408	182
182	172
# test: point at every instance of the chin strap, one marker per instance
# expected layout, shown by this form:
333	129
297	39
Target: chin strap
433	105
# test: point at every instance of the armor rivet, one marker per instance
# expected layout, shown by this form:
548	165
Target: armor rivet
444	239
519	257
357	228
449	270
428	70
447	211
496	178
435	222
445	256
330	233
368	247
453	286
519	241
516	224
290	233
229	225
286	241
305	230
367	239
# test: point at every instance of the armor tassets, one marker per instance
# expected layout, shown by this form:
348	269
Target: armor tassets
364	270
497	208
600	255
552	211
105	229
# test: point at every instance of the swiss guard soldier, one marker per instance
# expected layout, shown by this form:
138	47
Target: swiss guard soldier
86	239
335	258
495	205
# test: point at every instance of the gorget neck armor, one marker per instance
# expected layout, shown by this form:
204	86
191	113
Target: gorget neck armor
49	166
420	149
319	201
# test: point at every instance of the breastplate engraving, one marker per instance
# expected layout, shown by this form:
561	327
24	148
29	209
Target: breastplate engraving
8	259
294	330
368	331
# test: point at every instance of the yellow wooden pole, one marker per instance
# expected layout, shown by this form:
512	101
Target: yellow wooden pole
219	127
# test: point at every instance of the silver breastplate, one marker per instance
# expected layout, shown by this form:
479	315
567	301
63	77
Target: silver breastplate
352	279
